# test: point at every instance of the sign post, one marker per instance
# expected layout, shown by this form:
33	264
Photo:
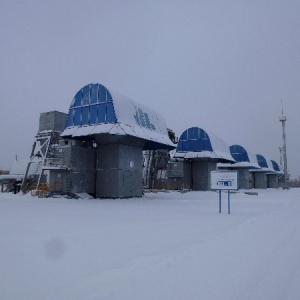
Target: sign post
224	180
220	201
229	202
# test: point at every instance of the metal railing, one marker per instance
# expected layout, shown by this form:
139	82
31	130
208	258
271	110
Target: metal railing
57	163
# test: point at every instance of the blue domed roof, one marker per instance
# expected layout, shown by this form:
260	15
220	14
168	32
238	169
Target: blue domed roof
244	158
261	161
276	167
264	164
95	110
239	153
197	143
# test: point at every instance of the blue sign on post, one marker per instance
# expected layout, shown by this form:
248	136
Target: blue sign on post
224	180
224	183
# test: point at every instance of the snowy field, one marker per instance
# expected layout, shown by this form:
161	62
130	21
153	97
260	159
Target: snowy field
161	246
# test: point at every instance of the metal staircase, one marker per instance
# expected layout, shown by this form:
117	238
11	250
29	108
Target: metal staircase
68	184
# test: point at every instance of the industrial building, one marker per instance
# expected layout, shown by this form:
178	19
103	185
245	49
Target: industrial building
266	176
97	147
254	171
110	146
279	176
245	161
197	154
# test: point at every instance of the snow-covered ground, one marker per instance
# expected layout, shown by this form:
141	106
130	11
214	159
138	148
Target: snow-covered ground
161	246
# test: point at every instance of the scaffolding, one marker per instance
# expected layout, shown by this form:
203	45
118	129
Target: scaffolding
154	168
43	155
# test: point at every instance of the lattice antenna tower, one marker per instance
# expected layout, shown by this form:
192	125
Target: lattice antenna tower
283	119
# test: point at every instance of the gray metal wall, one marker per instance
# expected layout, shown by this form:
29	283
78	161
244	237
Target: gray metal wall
81	161
272	181
179	175
245	179
119	171
260	180
53	120
83	175
57	180
161	180
201	174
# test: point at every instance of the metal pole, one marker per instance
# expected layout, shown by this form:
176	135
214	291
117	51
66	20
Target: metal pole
284	156
229	202
220	201
283	119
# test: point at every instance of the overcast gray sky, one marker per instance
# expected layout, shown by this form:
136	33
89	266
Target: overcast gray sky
223	66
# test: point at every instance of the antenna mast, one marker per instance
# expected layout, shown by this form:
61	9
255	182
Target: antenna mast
283	119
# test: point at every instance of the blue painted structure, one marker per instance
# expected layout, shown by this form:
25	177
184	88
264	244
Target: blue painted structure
266	176
239	153
261	161
196	143
276	167
202	151
194	140
95	110
91	105
244	158
279	179
120	130
245	163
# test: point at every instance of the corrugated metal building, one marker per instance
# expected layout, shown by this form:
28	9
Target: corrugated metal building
202	151
245	161
266	176
254	171
121	129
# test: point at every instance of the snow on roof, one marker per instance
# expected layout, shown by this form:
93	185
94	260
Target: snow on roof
255	163
117	115
244	164
11	176
277	168
197	143
244	158
273	168
220	147
265	165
